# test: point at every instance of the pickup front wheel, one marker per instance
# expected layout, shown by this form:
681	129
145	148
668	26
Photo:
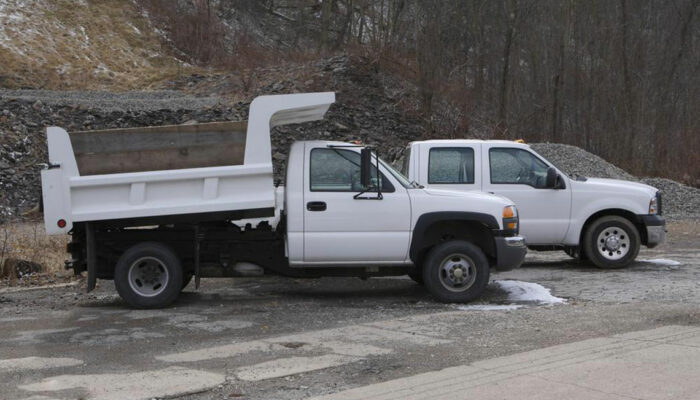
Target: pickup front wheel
456	272
612	242
148	275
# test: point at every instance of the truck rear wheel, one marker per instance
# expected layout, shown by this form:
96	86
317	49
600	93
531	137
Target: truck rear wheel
148	275
456	272
612	242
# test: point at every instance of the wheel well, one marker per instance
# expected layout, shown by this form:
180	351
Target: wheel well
470	231
630	216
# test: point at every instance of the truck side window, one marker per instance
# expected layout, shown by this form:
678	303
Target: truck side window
451	165
517	166
338	170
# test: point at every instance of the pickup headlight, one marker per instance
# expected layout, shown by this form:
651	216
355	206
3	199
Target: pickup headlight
653	205
510	220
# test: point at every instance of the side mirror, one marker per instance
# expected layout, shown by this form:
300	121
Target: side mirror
366	167
551	180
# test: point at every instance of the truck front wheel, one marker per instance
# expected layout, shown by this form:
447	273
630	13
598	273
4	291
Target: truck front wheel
148	275
612	242
456	272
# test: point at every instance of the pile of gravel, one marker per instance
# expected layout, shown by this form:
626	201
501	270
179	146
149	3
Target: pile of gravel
576	161
679	201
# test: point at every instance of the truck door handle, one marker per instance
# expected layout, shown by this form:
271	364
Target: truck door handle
316	206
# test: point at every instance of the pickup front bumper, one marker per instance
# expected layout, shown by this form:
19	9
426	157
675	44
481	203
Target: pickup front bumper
656	229
510	252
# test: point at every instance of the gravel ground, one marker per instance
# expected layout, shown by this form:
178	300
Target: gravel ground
107	101
279	338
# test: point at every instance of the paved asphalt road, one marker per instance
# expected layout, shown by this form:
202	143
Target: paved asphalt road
632	333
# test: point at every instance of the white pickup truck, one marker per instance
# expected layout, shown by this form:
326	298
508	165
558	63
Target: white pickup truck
603	220
153	207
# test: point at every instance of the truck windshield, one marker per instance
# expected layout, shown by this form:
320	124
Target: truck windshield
398	175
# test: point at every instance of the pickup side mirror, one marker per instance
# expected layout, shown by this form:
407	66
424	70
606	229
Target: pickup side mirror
554	180
366	168
551	179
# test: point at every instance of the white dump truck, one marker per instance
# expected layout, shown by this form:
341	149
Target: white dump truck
153	207
604	220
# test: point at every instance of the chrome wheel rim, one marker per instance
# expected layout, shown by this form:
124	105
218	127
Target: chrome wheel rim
457	272
148	276
613	243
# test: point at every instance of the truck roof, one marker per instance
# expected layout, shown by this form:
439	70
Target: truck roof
467	141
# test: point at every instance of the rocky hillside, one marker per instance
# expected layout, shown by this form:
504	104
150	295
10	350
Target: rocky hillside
363	111
366	110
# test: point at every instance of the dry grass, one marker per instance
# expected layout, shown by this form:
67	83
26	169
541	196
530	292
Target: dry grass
28	241
83	44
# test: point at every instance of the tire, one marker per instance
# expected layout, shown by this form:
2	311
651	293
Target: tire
417	276
612	242
452	256
148	275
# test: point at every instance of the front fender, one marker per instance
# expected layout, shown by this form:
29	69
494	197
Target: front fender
418	239
582	212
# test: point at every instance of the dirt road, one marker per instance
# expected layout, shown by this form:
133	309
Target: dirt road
279	338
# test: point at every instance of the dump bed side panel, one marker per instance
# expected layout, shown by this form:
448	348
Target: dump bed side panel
159	148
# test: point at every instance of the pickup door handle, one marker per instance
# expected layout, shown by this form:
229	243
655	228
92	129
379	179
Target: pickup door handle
316	206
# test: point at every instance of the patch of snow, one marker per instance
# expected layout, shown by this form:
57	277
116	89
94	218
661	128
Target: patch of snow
529	292
137	30
490	307
87	38
662	261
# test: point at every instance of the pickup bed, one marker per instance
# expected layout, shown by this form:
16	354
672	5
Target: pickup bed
145	207
604	220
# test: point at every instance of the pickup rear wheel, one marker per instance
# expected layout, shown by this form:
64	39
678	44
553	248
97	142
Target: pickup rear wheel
612	242
456	272
148	275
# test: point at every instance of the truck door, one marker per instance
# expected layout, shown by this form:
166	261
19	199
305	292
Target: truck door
519	175
339	229
451	166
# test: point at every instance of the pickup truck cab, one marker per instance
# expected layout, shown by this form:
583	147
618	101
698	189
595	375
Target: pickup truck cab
151	208
604	220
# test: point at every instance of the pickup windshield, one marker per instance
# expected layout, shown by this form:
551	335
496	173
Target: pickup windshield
398	175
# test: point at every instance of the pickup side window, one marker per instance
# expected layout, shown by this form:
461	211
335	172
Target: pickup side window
338	170
451	165
516	166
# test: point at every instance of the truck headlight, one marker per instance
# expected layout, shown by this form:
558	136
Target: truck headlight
653	205
510	220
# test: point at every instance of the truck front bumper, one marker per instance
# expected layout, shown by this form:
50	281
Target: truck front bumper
656	229
510	252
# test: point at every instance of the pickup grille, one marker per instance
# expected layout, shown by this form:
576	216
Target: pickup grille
658	203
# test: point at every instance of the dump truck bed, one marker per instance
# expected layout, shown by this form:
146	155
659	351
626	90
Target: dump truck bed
144	175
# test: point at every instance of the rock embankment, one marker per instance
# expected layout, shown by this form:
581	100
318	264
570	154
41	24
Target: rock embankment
365	111
362	113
